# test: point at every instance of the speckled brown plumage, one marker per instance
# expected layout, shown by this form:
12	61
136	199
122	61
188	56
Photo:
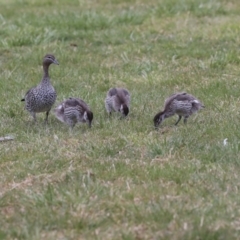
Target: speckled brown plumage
42	97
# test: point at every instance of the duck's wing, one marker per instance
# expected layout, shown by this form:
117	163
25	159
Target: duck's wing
112	92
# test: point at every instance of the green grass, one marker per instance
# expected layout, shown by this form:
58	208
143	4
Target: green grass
121	179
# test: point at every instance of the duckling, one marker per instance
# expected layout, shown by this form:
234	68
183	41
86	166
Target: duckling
118	100
42	97
182	104
72	111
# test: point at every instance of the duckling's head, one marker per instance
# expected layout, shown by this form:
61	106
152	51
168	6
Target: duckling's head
88	117
124	110
158	119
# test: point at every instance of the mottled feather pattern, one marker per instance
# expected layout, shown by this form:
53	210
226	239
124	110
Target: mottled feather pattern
42	97
72	111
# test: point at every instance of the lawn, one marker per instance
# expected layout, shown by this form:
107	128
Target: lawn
121	179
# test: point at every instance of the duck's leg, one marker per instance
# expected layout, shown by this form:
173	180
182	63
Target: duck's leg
46	119
179	118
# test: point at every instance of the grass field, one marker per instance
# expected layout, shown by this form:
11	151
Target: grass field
121	179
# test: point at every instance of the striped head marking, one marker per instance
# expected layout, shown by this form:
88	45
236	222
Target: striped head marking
124	110
158	119
88	117
196	101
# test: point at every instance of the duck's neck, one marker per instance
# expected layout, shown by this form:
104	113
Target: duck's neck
45	71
